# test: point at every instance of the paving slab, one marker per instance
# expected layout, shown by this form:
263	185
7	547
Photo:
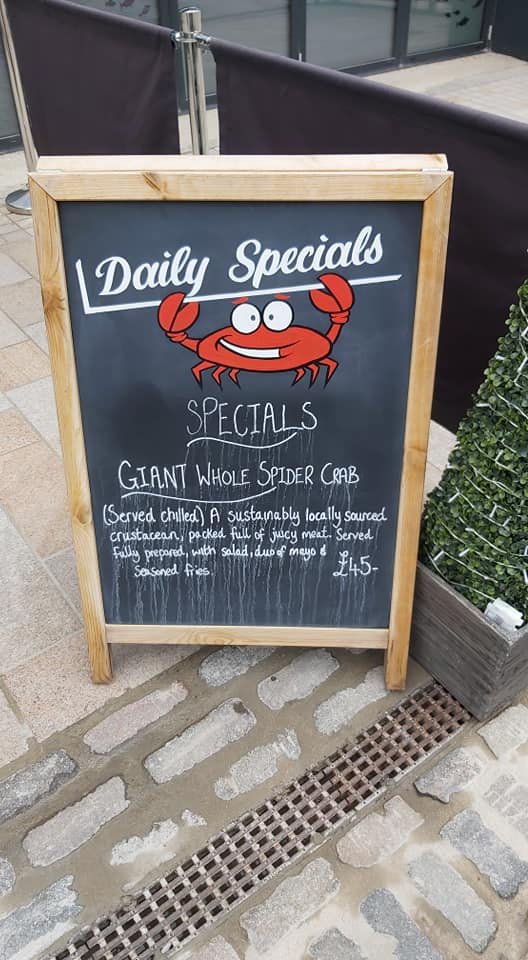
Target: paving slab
32	783
10	271
432	478
29	931
386	915
14	732
7	877
333	945
217	949
15	431
258	765
454	772
224	725
193	819
510	799
22	251
75	824
33	612
490	82
226	664
449	893
54	690
21	364
298	679
441	444
154	843
293	901
39	509
64	570
378	836
508	731
37	332
10	333
22	302
36	401
120	727
494	858
336	712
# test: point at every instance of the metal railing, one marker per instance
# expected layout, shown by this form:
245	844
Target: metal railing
19	200
192	41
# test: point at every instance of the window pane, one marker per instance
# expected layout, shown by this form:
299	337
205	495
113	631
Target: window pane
349	32
142	9
264	24
436	24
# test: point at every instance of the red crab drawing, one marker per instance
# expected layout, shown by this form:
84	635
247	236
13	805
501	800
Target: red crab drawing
263	342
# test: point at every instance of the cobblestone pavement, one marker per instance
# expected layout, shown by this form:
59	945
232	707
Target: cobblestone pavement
437	871
101	788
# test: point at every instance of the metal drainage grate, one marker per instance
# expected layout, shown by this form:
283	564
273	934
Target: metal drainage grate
203	889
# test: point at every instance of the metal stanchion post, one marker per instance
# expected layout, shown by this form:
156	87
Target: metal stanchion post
18	201
192	41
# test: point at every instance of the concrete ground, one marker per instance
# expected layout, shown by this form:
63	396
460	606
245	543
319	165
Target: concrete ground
92	807
490	82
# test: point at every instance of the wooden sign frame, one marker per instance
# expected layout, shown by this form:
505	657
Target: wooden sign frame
383	178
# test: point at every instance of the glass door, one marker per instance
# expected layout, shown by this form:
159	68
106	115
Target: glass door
444	24
348	33
141	9
262	24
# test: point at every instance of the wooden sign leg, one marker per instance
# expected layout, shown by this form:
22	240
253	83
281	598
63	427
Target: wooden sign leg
396	657
433	247
99	654
55	302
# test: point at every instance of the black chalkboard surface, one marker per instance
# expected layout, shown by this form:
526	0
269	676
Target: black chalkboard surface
244	367
260	501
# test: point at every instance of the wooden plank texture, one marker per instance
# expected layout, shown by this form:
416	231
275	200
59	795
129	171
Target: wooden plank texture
244	185
478	662
433	251
344	162
232	636
53	283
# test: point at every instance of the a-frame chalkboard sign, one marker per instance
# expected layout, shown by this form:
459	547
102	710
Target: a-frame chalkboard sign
243	353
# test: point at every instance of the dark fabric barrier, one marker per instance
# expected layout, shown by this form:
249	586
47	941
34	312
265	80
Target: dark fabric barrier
94	82
272	105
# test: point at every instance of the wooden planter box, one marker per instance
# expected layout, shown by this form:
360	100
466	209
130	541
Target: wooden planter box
482	665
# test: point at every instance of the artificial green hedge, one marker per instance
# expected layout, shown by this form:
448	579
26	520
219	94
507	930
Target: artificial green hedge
475	525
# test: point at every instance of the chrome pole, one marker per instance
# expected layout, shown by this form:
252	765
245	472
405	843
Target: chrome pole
18	201
192	41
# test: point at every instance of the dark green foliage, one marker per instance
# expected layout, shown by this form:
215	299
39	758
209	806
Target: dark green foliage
475	526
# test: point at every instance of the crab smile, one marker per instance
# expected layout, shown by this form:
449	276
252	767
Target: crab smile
272	353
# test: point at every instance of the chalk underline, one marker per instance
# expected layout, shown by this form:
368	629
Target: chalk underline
248	446
231	295
164	496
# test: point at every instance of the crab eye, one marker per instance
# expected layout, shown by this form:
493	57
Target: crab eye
278	315
245	318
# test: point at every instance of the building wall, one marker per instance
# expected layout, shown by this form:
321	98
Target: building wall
510	31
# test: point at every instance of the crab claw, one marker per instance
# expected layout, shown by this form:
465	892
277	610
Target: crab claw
338	296
174	318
